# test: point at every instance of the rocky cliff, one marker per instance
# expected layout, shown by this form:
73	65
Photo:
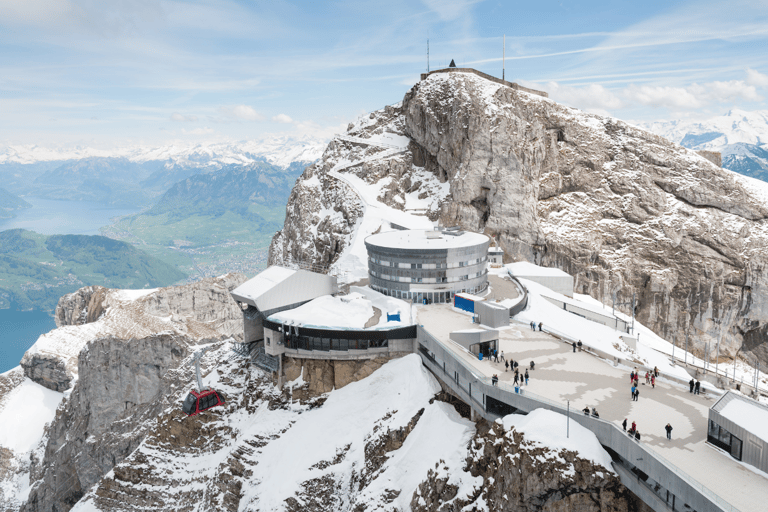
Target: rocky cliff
203	311
623	210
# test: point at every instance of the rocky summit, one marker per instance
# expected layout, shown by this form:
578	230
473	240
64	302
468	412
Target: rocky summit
623	210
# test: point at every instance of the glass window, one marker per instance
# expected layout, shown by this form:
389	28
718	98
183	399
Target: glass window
735	447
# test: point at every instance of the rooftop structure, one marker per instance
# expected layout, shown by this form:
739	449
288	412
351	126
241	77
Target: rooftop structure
427	265
553	278
513	85
739	425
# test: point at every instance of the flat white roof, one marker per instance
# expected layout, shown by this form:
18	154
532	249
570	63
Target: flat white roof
417	239
523	268
265	281
350	311
469	296
750	416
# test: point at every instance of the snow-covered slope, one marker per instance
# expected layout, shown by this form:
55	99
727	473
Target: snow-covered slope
279	151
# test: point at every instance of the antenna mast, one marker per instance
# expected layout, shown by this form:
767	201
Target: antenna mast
503	57
427	55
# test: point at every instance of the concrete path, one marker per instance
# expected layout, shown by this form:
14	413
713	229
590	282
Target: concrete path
586	380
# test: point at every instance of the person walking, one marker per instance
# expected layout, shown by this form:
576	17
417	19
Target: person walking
624	424
506	366
502	356
495	355
633	393
690	386
516	379
697	388
574	347
532	365
637	382
579	344
647	378
653	381
668	428
540	324
656	371
526	377
634	427
631	377
637	393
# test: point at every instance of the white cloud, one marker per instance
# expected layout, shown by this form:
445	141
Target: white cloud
241	112
756	78
662	96
181	118
198	131
282	118
593	97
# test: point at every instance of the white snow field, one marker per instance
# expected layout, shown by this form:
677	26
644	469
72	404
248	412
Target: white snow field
400	388
549	429
24	413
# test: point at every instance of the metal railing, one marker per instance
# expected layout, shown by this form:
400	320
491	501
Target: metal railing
457	373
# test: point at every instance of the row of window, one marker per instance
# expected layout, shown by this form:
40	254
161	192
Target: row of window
326	344
429	297
431	280
719	436
413	266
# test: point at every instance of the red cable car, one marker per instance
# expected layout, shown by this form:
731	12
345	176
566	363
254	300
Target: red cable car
201	399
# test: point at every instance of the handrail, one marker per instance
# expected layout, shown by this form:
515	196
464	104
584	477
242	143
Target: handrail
520	306
588	421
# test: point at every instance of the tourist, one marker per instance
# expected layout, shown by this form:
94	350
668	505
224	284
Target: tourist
533	326
540	324
647	378
634	427
690	385
636	394
697	388
495	355
633	392
579	344
637	436
653	381
506	366
526	377
586	411
495	380
637	382
631	377
594	413
502	356
656	371
574	347
532	365
668	428
516	365
516	378
624	424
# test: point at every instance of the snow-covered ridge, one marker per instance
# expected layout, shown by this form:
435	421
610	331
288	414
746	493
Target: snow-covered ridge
280	151
737	126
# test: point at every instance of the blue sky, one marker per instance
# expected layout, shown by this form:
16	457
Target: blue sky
111	73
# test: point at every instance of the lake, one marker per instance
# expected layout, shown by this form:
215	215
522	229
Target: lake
53	217
18	331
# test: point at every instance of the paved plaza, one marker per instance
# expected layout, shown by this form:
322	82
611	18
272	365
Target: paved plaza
586	380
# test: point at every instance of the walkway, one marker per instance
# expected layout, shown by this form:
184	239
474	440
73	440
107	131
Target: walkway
586	380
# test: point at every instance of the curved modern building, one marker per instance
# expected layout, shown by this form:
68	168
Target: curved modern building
420	265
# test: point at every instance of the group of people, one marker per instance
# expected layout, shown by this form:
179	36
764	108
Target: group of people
695	387
534	325
594	412
634	379
632	432
509	365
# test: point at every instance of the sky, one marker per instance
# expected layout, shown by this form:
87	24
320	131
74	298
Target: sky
109	73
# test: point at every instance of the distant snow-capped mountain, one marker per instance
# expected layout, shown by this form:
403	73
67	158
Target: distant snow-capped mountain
741	137
279	151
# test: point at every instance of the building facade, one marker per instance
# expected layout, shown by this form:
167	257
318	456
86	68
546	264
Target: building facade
432	266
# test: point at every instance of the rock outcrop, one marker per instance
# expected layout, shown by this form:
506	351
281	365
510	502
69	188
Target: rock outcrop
520	476
323	376
203	311
621	209
121	390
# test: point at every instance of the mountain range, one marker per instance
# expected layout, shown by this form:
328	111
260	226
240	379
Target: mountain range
741	137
